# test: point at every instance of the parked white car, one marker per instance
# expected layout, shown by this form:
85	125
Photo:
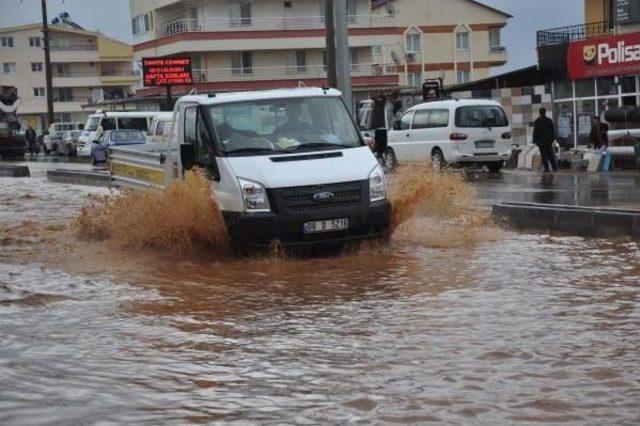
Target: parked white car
56	131
459	132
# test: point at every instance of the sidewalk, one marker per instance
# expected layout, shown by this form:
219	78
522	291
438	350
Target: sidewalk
598	189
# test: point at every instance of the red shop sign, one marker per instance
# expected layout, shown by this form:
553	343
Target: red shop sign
604	56
166	72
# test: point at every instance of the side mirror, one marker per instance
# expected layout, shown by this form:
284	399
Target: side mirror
380	140
396	125
97	142
187	156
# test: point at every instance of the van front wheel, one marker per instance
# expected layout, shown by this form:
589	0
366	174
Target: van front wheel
389	160
495	167
437	159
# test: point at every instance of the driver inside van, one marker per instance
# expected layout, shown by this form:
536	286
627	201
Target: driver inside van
294	125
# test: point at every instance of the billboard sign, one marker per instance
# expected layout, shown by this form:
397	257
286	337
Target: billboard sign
627	12
604	56
166	72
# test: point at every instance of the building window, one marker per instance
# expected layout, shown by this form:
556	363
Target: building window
9	68
242	63
301	61
34	41
462	40
240	13
495	41
6	41
142	24
414	79
38	92
64	94
462	76
353	59
376	50
36	66
413	41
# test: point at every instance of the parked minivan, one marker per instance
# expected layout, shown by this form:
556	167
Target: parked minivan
287	165
53	139
455	132
103	121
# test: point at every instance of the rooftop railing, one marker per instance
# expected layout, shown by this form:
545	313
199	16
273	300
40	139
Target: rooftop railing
573	33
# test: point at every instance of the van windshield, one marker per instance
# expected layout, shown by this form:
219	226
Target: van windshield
283	125
481	116
92	124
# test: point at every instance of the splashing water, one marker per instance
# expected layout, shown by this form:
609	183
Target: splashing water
436	208
429	207
184	216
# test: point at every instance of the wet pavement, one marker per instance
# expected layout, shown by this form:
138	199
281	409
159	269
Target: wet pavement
527	328
615	189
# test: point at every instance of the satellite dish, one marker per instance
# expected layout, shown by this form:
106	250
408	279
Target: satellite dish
395	57
391	8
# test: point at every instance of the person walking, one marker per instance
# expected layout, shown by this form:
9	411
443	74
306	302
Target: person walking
30	135
543	136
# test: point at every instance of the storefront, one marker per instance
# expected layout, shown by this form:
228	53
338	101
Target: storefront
590	76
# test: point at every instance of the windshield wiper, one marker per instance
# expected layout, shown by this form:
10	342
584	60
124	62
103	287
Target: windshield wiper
250	151
314	145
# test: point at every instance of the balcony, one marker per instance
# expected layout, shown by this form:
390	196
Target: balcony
573	33
286	72
265	24
74	47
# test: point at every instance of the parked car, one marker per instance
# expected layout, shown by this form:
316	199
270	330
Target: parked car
100	147
69	143
456	132
53	140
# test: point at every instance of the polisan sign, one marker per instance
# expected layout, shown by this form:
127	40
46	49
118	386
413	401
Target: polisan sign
604	56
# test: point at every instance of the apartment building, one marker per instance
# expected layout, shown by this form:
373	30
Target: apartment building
245	45
456	40
88	67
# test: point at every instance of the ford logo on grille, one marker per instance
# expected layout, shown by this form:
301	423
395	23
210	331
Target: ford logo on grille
323	197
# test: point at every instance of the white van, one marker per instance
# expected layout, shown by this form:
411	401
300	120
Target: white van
286	165
53	139
160	128
452	132
102	121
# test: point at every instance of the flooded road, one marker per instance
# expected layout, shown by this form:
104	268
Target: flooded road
532	328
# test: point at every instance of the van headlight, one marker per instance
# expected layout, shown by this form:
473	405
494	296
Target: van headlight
377	185
254	196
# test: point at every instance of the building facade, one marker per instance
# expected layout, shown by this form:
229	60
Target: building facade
246	45
87	68
592	67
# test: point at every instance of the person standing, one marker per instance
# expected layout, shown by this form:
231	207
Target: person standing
543	136
30	135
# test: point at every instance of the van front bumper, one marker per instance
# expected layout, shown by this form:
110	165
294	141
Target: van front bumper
260	230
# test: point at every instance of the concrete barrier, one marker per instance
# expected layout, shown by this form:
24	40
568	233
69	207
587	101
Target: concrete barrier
79	177
11	170
577	220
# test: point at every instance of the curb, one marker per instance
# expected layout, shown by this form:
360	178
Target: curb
581	221
79	178
10	170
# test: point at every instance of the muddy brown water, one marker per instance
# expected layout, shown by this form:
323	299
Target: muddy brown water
521	328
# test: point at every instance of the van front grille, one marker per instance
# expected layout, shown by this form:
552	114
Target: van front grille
301	198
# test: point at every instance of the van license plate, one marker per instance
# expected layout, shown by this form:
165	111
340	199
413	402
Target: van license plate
485	144
331	225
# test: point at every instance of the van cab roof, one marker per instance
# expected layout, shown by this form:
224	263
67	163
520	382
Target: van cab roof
228	97
450	103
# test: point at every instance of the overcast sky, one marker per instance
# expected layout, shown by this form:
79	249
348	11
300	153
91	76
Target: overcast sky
112	17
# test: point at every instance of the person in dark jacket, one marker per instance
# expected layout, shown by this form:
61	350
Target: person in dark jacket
31	137
543	136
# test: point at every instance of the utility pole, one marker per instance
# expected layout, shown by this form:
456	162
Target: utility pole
343	68
47	64
330	43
